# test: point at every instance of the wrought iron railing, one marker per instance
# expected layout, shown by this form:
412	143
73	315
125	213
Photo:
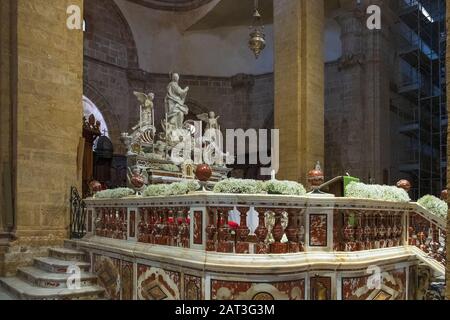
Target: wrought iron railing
77	215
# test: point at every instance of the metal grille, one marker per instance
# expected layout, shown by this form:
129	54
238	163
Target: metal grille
77	215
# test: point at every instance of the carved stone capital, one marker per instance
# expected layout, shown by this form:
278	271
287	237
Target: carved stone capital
351	21
350	60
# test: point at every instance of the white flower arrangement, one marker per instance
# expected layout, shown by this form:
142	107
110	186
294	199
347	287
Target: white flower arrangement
289	188
376	192
170	167
239	186
155	190
173	189
114	193
435	205
181	188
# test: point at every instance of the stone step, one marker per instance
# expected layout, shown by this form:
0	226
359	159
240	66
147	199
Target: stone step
67	254
4	295
44	279
71	244
23	290
59	266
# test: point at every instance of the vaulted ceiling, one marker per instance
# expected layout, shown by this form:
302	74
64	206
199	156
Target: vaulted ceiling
228	13
234	13
172	5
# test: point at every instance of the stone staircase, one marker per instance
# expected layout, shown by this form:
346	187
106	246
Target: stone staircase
47	278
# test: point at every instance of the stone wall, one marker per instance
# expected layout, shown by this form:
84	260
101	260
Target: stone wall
47	127
112	72
222	95
448	149
109	52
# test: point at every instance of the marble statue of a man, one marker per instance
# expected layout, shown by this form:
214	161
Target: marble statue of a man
175	103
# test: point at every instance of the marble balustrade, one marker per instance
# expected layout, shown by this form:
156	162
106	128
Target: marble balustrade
266	224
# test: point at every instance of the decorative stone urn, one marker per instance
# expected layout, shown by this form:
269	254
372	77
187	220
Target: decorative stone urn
444	195
95	187
316	177
203	173
404	184
137	181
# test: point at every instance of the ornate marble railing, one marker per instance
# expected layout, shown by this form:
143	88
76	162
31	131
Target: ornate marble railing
428	234
246	224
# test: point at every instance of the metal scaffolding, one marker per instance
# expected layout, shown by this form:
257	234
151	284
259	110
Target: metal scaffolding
421	106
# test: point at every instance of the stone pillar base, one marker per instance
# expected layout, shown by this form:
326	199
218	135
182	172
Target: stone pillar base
262	248
225	247
210	245
184	243
279	248
28	245
294	247
150	239
242	247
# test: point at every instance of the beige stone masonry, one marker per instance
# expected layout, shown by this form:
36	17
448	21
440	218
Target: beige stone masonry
299	85
47	102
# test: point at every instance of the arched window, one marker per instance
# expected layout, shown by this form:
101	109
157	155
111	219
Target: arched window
90	108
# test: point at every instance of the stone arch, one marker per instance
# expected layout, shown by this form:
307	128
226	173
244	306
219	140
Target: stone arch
125	33
172	5
111	120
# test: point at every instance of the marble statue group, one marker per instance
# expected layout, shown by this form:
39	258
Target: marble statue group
145	143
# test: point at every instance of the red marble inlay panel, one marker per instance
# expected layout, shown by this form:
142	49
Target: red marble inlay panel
355	288
262	248
318	230
198	227
378	286
158	284
235	290
242	247
132	227
193	288
127	280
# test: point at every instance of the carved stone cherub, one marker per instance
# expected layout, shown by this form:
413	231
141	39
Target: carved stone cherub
210	119
146	105
146	100
137	179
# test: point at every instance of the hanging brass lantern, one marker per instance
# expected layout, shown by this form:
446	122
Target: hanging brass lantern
257	42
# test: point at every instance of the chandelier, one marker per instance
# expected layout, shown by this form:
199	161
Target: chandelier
257	41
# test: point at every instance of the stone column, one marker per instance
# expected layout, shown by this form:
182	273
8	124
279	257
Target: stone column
46	96
299	85
377	112
6	152
350	139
